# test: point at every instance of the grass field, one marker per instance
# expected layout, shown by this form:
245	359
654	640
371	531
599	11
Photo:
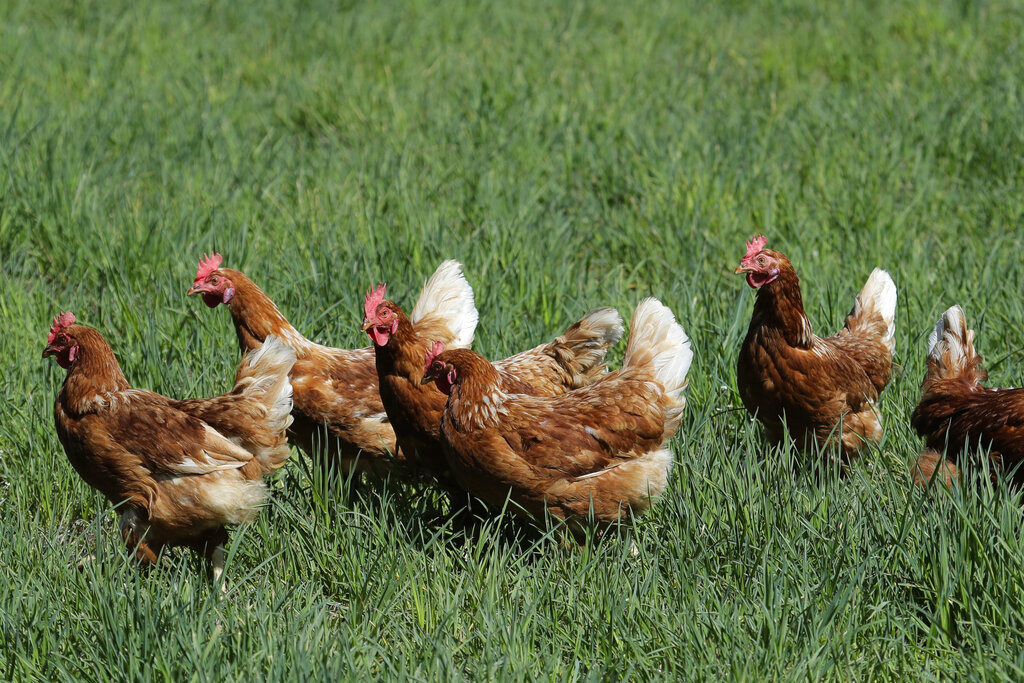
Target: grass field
570	155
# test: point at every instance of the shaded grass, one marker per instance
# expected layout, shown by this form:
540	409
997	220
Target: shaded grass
571	155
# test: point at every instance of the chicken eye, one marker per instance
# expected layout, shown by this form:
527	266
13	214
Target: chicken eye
761	260
215	281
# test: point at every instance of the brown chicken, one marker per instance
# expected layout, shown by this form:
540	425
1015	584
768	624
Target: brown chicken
180	470
957	415
572	360
823	390
596	453
336	389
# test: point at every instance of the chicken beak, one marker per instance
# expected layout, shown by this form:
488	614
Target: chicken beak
366	325
192	290
743	269
427	379
49	351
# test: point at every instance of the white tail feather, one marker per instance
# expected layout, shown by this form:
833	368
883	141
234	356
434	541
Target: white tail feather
951	344
449	296
656	339
878	295
263	374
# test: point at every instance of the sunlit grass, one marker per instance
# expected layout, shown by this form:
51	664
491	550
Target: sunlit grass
570	155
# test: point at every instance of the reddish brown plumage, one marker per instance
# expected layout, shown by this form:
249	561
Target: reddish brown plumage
334	389
598	449
572	360
931	464
957	415
413	408
182	470
824	390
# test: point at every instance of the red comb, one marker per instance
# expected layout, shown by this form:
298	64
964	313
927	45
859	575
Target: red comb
207	265
435	350
374	297
755	245
60	323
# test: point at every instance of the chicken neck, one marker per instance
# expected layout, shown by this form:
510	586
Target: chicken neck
405	353
780	307
94	373
256	316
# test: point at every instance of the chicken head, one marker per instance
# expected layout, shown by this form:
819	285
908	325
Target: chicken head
760	265
381	319
439	371
59	343
215	286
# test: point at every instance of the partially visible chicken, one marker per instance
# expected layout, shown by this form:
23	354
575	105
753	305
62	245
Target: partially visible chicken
823	390
338	412
572	360
180	470
595	453
958	416
932	464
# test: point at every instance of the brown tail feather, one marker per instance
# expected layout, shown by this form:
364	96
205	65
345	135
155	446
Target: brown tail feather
581	349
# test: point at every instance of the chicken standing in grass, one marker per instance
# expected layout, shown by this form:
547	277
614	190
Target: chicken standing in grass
338	411
595	453
823	390
572	360
957	415
181	471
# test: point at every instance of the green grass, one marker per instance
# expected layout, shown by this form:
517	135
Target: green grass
570	155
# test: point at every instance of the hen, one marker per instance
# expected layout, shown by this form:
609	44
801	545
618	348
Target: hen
823	390
334	388
597	452
180	470
957	415
572	360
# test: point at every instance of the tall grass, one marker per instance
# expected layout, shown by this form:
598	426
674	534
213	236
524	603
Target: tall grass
570	155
